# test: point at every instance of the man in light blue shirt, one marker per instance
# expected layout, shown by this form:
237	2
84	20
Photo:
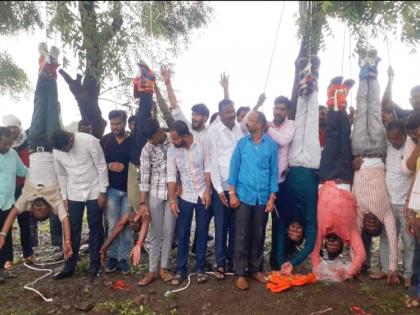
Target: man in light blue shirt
253	180
10	167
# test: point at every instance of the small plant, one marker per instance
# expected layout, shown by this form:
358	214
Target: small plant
126	307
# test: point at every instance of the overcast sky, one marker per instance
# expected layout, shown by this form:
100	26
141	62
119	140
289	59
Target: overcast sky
238	41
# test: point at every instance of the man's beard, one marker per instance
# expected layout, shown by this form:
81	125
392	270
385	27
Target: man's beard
278	120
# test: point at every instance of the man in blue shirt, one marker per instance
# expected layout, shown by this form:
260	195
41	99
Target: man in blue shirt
10	167
253	183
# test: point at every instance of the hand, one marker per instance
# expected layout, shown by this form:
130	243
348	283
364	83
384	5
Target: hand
68	251
178	191
286	268
357	163
173	205
136	254
143	210
223	199
413	226
234	201
66	204
207	199
392	277
103	252
2	241
390	73
261	99
270	205
102	200
116	167
224	81
166	74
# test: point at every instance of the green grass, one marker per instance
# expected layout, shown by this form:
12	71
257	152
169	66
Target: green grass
126	307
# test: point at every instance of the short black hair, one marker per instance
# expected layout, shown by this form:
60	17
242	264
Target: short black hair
388	111
131	119
84	122
282	100
323	107
150	127
242	109
396	124
413	121
415	90
181	128
213	117
47	214
225	103
5	132
201	109
117	113
60	139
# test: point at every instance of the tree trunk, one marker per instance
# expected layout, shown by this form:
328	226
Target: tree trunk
86	95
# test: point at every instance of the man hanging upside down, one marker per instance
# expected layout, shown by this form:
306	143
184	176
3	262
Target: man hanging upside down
40	194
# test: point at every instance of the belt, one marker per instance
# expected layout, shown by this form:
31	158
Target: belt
373	155
39	150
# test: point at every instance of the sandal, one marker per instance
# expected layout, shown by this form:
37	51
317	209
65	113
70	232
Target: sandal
201	278
411	302
177	280
165	275
219	273
8	265
148	279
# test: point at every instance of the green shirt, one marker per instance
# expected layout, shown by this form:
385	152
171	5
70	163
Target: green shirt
10	167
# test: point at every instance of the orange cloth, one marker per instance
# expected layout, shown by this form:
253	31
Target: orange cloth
337	93
279	283
145	82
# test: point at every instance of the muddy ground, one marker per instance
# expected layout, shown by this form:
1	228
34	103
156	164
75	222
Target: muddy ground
78	295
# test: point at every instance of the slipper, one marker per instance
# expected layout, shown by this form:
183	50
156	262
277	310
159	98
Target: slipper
378	276
201	278
165	275
219	274
148	279
177	280
412	302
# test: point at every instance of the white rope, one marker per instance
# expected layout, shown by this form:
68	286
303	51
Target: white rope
169	292
389	54
151	33
344	47
274	46
29	285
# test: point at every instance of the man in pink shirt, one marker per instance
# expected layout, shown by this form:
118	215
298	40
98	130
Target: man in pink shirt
337	215
281	131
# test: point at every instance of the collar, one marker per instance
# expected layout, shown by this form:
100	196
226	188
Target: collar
263	138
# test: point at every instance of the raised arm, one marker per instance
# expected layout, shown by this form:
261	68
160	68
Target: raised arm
166	75
224	82
260	102
387	102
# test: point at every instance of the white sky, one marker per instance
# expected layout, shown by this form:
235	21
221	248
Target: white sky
238	41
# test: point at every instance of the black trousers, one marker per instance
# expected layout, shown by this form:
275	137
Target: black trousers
336	158
250	226
144	112
8	245
25	230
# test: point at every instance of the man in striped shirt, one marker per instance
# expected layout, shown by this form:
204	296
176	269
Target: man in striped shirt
369	148
153	199
189	156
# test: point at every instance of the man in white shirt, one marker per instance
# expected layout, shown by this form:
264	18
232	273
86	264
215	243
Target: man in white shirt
223	136
83	178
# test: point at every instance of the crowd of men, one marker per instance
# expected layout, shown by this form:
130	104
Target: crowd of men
330	180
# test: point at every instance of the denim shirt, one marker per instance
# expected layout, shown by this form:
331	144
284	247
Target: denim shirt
254	170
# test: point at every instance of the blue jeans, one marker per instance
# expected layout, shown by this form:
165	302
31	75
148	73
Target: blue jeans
116	207
184	220
96	232
224	222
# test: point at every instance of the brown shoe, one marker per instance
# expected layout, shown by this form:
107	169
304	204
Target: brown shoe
241	283
260	277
